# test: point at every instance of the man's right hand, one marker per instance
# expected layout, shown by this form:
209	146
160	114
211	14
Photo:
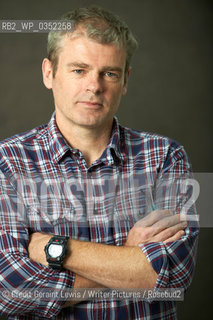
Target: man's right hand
157	226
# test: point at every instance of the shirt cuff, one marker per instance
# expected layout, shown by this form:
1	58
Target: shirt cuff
156	254
54	299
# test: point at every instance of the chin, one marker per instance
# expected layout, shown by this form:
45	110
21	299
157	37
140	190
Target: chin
91	124
90	121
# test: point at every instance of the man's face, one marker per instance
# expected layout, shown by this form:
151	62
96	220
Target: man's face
88	84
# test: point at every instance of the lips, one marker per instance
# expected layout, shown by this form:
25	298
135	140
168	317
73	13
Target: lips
89	104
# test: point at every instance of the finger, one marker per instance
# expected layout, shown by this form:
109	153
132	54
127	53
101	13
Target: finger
153	217
170	232
176	237
166	223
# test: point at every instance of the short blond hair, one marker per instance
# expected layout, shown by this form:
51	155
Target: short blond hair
100	25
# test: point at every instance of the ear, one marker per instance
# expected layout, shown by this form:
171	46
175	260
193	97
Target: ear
126	82
47	73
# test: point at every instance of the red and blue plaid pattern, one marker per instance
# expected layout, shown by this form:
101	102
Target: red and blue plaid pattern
46	186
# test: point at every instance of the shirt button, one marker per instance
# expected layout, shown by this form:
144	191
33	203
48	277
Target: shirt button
89	172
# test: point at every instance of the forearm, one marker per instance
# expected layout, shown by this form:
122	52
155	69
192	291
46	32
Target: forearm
111	266
81	282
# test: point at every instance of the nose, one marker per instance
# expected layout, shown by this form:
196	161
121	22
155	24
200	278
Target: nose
94	83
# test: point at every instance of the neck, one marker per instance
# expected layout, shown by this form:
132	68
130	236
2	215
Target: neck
90	141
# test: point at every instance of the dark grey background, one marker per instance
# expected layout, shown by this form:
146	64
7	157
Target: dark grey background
169	89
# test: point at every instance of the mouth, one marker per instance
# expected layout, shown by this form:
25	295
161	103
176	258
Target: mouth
91	105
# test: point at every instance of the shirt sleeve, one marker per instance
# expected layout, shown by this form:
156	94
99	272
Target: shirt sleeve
174	262
17	271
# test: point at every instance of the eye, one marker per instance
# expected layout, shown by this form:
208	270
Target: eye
111	74
78	71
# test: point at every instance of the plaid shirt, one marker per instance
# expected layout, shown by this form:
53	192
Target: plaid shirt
46	186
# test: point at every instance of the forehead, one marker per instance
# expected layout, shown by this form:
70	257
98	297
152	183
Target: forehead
79	46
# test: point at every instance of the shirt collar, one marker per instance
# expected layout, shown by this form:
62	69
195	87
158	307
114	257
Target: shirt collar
59	147
115	147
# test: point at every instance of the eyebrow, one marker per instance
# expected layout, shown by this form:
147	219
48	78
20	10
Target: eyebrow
86	66
111	68
77	64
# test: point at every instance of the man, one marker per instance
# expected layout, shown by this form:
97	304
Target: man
85	202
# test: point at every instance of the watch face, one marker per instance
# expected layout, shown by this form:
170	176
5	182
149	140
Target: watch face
55	250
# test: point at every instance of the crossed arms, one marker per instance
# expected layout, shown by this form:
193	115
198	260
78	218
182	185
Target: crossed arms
157	253
23	264
98	265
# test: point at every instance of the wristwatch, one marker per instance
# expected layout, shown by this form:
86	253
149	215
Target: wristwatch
55	251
